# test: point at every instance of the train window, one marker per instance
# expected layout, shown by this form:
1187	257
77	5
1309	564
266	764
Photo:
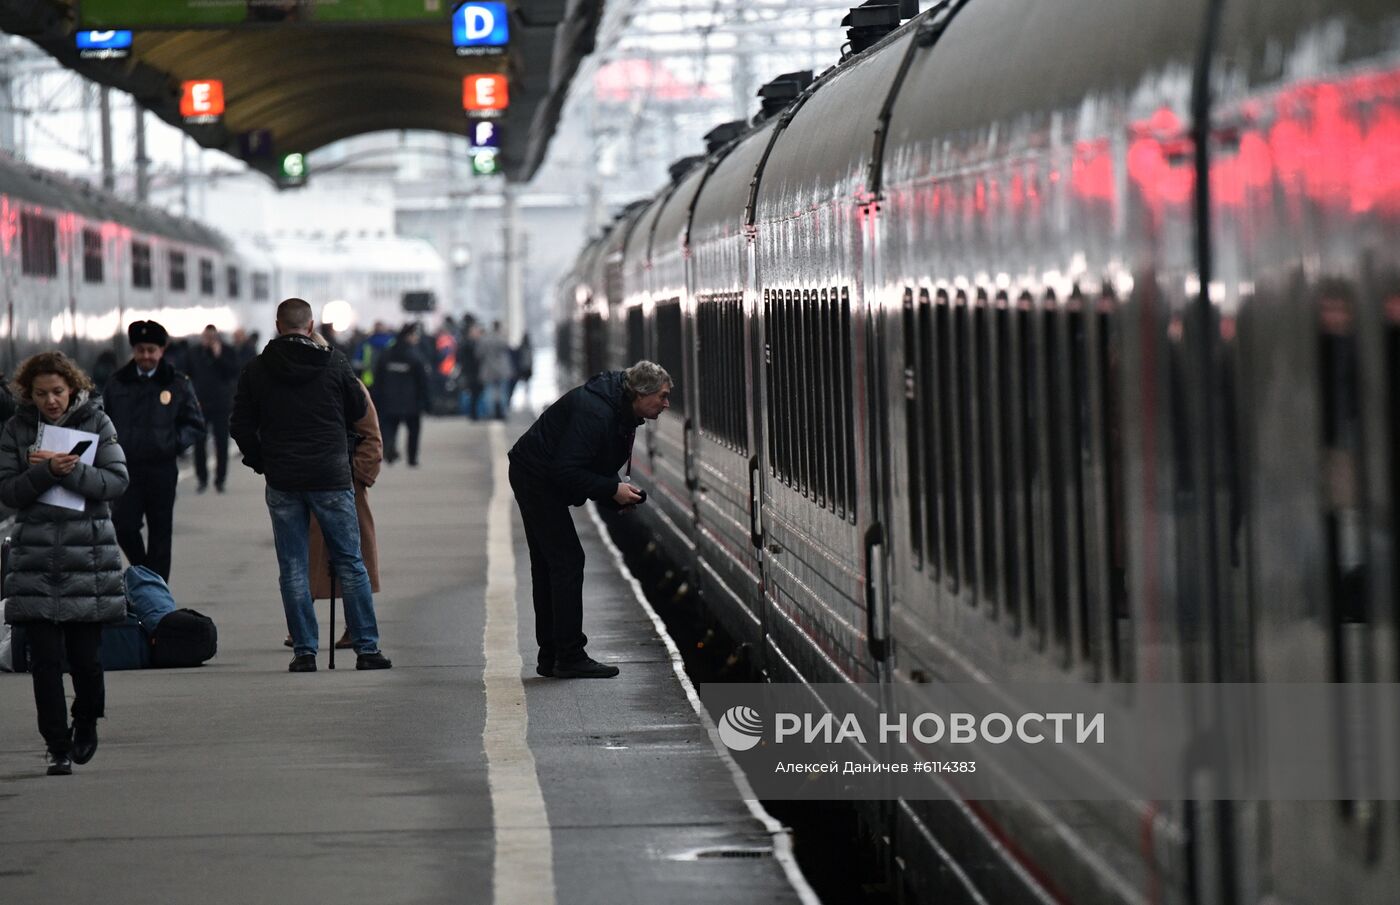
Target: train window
848	427
987	403
594	343
720	338
1006	387
231	273
1392	348
929	434
1114	538
670	348
38	245
768	327
176	260
830	391
262	286
1079	451
206	276
92	256
914	467
966	445
140	265
1030	454
636	335
947	421
785	361
818	376
1056	490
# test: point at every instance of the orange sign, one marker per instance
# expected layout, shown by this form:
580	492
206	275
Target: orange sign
202	98
485	92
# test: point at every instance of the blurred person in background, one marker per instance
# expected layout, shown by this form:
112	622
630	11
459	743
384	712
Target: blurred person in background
214	370
493	353
401	393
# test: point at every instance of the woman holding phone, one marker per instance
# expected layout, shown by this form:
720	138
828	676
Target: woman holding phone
65	573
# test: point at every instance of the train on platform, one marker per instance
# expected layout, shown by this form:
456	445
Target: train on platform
78	264
1046	342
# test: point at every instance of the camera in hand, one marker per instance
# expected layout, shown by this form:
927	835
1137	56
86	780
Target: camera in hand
615	506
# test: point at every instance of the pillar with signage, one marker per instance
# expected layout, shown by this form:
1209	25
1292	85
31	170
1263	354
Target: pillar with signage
485	96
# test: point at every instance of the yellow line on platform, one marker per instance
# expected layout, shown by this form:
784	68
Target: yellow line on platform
523	870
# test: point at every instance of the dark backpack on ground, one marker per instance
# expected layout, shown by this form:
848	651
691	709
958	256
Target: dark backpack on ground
184	638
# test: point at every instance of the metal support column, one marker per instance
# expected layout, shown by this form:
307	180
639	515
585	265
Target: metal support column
513	318
109	173
143	163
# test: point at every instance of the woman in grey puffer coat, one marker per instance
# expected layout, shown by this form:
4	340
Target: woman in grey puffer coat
65	574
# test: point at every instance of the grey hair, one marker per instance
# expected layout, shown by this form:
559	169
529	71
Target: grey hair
645	378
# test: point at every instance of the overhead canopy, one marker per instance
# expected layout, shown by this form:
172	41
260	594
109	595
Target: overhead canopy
310	83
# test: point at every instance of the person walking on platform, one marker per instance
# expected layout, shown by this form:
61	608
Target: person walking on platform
65	571
214	371
291	419
402	393
570	455
493	353
157	417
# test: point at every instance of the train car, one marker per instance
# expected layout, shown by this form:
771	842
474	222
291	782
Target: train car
1021	355
77	265
364	279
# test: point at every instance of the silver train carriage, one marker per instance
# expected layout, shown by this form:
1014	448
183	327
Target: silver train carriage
77	265
1048	342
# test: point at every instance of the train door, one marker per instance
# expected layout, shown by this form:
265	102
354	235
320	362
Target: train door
757	313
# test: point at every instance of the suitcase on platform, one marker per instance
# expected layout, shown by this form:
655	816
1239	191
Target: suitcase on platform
184	638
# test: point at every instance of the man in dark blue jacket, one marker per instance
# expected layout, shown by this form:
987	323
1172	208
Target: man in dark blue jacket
157	417
570	455
291	419
214	368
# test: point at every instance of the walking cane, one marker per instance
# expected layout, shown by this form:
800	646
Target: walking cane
331	568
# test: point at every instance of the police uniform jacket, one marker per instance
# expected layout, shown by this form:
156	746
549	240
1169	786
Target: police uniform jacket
573	451
157	417
64	565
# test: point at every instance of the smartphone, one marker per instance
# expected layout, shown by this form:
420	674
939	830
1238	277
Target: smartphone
80	448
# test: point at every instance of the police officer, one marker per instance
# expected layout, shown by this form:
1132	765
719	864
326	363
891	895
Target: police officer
157	417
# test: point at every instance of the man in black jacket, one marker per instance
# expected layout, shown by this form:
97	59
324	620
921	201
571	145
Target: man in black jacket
291	419
213	370
570	455
157	417
401	393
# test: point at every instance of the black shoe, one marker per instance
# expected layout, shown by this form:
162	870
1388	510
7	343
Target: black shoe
545	669
587	668
219	487
376	660
59	764
303	663
288	642
84	742
203	486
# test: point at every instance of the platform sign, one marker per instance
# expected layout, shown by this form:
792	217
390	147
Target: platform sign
292	171
148	14
483	133
485	95
485	161
202	101
481	28
103	45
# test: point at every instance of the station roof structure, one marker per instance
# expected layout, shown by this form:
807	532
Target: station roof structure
313	73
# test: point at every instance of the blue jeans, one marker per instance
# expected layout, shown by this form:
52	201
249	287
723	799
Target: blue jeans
291	527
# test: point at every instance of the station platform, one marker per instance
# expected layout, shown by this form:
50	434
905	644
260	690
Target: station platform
457	776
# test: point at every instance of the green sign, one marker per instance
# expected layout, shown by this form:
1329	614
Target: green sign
106	14
484	162
291	170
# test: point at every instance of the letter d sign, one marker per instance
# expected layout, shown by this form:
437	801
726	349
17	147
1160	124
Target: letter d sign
483	24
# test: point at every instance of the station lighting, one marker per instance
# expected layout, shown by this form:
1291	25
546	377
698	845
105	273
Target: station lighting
484	162
291	170
481	28
485	94
202	101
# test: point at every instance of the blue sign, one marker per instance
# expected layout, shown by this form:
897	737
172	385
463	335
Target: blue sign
103	45
480	28
483	133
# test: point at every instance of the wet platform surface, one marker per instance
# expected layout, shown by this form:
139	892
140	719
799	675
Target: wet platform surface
239	782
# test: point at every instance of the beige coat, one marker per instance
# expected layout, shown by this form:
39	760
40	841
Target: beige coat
369	453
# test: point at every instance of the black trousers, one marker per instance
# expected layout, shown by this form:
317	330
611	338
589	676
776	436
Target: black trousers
150	496
389	424
217	424
83	641
556	572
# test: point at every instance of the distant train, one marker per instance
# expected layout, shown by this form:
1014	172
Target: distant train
78	264
1047	342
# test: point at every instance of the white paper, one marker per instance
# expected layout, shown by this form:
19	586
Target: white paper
62	440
